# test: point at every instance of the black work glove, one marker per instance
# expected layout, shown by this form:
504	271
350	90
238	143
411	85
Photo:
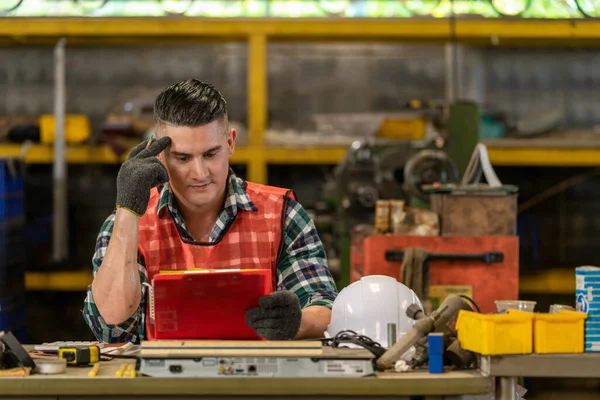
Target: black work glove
277	317
140	173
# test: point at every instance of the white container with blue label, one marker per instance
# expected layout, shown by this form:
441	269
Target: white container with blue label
587	280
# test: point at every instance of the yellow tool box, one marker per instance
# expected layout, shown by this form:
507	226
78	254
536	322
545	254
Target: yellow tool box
77	129
519	332
559	333
494	334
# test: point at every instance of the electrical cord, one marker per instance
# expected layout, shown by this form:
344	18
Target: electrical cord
348	336
471	301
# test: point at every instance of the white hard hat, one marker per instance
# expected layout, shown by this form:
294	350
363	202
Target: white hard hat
367	307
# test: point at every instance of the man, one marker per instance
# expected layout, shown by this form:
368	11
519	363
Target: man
179	206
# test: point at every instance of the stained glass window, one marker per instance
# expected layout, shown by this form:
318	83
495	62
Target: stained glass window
302	8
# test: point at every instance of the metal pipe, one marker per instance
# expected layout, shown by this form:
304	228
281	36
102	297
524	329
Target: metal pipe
59	172
419	330
450	72
506	388
391	334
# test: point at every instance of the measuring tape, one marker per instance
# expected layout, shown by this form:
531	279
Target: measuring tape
80	355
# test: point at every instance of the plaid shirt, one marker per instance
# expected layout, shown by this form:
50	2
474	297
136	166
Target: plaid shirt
302	269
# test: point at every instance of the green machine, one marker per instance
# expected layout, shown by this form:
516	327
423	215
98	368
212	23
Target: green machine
462	133
375	169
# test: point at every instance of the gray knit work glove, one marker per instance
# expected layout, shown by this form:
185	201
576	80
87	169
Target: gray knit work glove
277	317
139	173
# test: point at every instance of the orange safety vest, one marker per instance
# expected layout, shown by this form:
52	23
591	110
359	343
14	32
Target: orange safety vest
251	240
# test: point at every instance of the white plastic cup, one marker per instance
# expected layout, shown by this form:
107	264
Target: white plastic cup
522	305
554	308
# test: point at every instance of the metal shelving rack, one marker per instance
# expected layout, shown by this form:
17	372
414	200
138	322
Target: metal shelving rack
258	33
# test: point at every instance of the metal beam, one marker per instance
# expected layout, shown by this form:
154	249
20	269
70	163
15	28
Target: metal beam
59	172
92	28
495	32
257	106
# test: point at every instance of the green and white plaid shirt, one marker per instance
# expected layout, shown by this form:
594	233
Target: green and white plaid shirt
303	267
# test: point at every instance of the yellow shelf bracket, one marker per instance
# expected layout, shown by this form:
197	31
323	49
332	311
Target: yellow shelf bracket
257	105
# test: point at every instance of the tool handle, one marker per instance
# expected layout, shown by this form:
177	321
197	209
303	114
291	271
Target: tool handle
395	351
488	257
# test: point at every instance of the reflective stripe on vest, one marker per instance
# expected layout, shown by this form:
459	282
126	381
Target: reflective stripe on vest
252	240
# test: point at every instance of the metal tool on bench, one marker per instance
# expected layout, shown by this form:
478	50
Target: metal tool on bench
438	321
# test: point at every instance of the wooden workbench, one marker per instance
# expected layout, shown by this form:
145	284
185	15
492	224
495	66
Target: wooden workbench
77	383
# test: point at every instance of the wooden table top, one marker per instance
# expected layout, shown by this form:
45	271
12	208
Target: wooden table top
77	382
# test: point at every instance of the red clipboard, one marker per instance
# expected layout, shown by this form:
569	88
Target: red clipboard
207	304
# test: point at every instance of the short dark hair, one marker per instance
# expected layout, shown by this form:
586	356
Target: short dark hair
190	103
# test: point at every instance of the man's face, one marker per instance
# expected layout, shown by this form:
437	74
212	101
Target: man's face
198	161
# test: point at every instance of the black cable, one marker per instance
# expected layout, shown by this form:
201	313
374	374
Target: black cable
348	336
472	302
111	356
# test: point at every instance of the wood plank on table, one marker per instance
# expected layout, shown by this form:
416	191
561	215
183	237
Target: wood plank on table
77	383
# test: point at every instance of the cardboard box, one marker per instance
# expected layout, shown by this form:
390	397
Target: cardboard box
473	213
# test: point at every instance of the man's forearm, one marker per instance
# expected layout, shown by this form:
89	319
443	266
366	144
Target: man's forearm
116	287
315	320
